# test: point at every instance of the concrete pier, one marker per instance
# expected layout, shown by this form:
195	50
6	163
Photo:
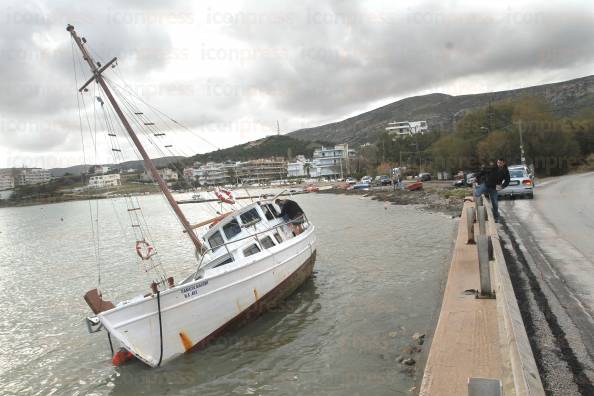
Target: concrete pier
479	338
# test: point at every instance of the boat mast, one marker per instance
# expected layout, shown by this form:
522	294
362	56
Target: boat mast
148	163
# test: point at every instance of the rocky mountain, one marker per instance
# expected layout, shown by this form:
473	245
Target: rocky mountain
441	111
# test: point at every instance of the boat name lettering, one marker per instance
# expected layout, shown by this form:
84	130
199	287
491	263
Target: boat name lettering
191	290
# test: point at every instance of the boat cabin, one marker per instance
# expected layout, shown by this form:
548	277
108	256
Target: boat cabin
245	232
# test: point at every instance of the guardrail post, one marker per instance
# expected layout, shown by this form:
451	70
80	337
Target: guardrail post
481	215
470	224
478	202
484	270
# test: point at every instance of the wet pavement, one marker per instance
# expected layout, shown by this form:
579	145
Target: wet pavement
551	261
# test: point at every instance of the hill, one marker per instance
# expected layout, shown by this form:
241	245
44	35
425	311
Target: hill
271	146
441	111
76	170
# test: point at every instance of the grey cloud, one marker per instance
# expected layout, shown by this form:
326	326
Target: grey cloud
343	56
309	61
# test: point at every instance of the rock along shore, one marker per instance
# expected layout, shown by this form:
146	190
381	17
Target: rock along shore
438	197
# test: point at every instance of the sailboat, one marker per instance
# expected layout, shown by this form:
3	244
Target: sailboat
247	260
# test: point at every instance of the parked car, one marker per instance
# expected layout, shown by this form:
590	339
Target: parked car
366	179
524	168
384	180
351	180
521	183
466	179
361	186
424	177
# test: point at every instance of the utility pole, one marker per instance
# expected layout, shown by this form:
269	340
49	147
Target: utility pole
523	157
489	114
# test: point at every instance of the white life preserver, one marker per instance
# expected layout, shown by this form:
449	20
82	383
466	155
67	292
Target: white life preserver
225	196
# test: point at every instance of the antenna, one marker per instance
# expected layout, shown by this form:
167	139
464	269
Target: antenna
277	128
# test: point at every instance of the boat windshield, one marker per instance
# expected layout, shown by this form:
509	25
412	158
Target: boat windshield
231	229
269	211
250	217
215	241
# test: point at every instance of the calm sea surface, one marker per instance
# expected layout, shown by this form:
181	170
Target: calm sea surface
377	280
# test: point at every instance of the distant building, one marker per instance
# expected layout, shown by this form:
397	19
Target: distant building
6	194
102	181
407	128
6	181
216	174
254	171
166	174
332	162
299	168
99	169
261	170
29	176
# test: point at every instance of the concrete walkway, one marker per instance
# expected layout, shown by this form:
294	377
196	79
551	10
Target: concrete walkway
466	341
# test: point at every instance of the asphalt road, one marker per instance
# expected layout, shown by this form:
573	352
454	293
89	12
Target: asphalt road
550	245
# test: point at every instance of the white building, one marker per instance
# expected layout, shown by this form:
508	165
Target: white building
167	174
407	128
28	176
6	194
332	161
99	169
299	168
102	181
6	181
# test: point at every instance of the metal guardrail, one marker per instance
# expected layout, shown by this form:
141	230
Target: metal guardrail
483	244
521	377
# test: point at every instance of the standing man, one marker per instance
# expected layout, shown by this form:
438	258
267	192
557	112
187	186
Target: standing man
291	213
488	180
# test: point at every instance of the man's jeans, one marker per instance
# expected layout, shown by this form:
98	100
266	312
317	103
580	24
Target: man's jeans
492	192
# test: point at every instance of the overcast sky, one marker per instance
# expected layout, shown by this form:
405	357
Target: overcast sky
230	70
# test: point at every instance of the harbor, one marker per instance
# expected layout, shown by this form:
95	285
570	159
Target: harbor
352	320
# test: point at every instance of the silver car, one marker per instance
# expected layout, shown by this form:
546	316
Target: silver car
521	183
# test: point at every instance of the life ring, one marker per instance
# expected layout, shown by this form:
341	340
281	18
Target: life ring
144	250
225	196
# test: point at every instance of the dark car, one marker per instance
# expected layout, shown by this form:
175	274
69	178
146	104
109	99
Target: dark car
424	177
382	180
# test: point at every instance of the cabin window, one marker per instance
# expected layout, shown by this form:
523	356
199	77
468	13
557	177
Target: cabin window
231	229
227	261
266	242
252	249
215	241
250	217
269	211
278	237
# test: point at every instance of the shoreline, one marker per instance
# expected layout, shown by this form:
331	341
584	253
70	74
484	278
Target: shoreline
434	198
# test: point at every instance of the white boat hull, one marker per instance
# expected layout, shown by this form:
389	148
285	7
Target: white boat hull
194	313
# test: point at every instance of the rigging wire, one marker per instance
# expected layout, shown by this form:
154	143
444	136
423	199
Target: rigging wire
78	101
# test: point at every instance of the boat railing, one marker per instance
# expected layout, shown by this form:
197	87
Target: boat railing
301	219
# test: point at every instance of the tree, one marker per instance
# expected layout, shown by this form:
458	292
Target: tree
452	153
499	144
307	168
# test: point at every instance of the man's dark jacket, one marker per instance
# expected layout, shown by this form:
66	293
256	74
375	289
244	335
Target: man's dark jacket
290	209
493	176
